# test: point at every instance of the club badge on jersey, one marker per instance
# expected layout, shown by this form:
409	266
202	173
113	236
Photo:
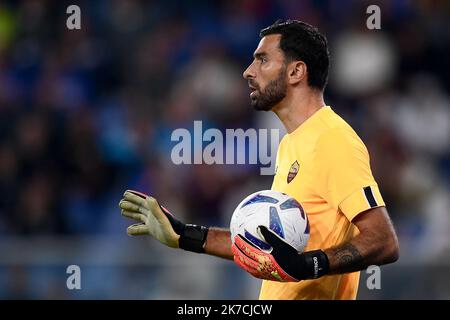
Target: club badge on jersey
293	171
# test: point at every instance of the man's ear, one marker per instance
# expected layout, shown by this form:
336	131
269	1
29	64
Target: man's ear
296	72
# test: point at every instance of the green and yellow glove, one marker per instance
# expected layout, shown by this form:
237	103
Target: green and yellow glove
158	222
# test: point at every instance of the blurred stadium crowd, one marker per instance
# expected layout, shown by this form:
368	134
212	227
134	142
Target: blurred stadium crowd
86	114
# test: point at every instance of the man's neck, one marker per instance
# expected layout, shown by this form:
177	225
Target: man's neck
297	108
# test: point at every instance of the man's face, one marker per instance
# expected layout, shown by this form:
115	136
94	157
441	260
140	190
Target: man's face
266	75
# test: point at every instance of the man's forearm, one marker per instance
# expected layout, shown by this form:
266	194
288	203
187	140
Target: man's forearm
346	258
218	243
358	254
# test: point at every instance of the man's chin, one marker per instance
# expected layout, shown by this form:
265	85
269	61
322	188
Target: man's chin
258	107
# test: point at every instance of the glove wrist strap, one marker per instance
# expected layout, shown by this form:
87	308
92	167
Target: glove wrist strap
193	238
316	263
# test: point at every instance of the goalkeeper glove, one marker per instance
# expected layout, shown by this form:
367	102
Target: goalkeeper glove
283	263
158	222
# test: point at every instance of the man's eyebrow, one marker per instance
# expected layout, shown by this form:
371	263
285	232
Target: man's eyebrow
259	55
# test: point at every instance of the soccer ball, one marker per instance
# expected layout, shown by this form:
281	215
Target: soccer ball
277	211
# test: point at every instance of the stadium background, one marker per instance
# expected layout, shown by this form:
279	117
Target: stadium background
86	114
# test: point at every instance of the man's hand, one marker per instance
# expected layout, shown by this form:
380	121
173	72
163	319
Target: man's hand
283	263
158	222
154	219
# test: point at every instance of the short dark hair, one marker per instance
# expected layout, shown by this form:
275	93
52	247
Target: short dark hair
301	41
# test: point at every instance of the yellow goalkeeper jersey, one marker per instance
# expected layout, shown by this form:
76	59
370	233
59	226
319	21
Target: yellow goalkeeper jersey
325	166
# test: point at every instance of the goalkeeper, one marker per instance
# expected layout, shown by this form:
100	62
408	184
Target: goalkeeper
321	162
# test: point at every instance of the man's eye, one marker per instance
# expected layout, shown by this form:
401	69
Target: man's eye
263	60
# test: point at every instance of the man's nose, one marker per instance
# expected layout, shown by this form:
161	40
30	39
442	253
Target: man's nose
248	73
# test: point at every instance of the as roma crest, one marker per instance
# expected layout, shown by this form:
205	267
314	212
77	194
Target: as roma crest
293	171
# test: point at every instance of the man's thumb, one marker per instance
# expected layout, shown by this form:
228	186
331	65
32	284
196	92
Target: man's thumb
270	237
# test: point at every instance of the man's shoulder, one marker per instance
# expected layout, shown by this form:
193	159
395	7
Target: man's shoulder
339	138
328	130
330	120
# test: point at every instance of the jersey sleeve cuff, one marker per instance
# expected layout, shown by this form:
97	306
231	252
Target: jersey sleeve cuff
361	200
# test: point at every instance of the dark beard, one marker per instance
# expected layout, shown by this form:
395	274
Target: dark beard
274	92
